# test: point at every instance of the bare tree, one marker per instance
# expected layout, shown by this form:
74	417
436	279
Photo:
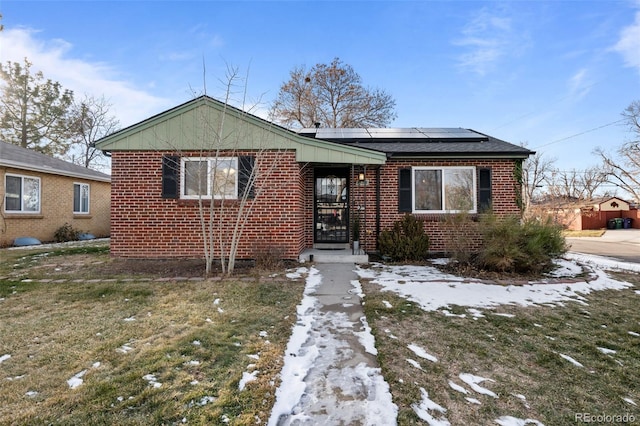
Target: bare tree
575	184
333	96
90	120
220	162
535	171
623	165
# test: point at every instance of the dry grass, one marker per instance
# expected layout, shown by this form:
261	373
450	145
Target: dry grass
584	233
195	347
520	353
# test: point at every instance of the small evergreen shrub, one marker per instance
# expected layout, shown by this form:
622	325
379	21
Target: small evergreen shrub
66	233
406	241
524	247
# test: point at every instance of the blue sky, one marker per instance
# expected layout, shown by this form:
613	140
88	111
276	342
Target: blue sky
555	75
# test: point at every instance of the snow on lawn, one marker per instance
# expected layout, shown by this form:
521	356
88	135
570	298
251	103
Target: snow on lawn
571	360
473	382
513	421
425	406
433	289
4	357
76	380
422	353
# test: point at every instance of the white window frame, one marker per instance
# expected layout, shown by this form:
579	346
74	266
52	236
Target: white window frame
211	162
81	184
474	191
22	195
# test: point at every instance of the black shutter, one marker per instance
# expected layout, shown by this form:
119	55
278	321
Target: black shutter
484	189
170	176
246	164
405	201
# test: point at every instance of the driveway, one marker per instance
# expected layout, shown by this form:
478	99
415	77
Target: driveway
623	244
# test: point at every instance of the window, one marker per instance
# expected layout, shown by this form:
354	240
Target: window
22	194
81	198
209	178
444	189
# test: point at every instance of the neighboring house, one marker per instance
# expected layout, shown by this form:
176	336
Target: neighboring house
309	185
577	215
39	194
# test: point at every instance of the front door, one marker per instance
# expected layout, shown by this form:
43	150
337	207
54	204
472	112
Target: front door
331	212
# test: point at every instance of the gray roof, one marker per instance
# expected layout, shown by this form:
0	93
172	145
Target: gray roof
422	142
27	159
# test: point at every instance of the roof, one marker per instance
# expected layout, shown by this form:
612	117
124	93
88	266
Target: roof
16	157
192	126
189	126
422	142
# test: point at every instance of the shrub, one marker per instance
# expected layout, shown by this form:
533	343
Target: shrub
406	241
66	233
510	245
458	244
268	257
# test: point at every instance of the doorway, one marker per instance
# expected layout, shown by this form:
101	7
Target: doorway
331	205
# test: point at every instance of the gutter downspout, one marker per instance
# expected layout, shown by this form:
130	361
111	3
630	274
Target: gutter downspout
377	206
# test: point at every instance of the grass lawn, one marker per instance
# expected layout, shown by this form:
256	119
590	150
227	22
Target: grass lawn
528	355
81	345
584	233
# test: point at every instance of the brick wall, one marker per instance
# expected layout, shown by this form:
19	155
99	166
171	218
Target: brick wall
56	209
440	230
144	225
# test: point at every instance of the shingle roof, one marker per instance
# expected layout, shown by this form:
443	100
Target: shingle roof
414	142
26	159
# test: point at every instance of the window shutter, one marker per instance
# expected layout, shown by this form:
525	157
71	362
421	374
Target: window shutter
484	189
170	174
405	201
246	164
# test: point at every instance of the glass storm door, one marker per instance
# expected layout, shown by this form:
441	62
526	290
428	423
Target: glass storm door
331	213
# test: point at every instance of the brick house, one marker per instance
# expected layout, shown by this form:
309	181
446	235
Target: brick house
303	188
40	193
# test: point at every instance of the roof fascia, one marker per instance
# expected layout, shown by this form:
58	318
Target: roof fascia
51	171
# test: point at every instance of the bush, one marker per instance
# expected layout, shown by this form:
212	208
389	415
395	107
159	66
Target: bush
406	241
66	233
514	246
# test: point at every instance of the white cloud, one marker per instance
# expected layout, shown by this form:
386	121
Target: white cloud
486	39
580	84
629	43
55	59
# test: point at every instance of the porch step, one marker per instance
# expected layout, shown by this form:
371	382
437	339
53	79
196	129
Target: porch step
333	256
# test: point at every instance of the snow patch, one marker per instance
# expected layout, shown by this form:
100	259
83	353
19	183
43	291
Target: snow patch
422	353
414	363
4	357
571	360
246	378
153	381
457	387
432	289
473	382
76	380
514	421
422	410
606	351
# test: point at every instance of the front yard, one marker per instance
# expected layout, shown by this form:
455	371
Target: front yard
80	346
567	358
85	339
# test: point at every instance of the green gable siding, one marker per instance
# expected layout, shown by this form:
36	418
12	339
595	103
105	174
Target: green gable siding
198	126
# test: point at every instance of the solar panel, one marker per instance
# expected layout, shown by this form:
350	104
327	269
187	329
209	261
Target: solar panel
407	133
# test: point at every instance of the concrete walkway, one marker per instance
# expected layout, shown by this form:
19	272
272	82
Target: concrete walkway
344	385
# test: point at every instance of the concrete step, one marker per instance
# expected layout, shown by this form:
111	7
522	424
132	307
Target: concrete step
333	256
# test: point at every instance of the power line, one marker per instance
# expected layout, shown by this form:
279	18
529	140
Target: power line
581	133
